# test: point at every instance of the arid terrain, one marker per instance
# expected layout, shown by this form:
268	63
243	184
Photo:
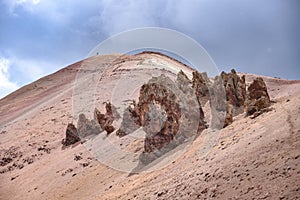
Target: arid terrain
254	157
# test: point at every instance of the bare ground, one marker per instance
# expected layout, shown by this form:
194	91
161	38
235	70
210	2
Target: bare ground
253	158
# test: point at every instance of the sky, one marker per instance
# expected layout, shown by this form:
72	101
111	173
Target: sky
39	37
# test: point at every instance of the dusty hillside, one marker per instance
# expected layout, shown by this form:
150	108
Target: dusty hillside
253	158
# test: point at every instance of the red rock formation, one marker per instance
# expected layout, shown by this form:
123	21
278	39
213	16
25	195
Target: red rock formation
200	82
169	113
235	88
159	114
105	120
258	99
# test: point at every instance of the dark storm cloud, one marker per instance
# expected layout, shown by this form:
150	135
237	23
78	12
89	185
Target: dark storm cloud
250	35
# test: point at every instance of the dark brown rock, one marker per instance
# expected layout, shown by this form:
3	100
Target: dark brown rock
200	84
168	114
154	97
71	135
235	88
99	117
159	114
258	98
105	120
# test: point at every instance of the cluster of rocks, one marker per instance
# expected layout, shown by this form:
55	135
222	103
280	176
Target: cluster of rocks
253	100
13	158
8	155
166	112
170	112
86	127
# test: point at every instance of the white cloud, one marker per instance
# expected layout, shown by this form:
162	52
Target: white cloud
34	2
6	86
26	4
33	69
119	16
16	72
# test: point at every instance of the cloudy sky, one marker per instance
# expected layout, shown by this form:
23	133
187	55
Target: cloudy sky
38	37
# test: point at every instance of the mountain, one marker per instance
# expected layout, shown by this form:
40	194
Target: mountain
255	155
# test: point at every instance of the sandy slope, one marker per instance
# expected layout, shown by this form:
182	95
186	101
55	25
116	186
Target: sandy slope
254	158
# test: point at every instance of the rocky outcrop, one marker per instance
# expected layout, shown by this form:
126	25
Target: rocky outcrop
72	136
159	114
131	120
192	96
235	89
217	101
254	100
168	112
87	127
258	99
200	85
105	120
182	81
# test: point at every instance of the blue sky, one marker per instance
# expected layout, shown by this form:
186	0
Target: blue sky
38	37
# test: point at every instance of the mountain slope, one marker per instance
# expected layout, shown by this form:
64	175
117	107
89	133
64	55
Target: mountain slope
253	158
